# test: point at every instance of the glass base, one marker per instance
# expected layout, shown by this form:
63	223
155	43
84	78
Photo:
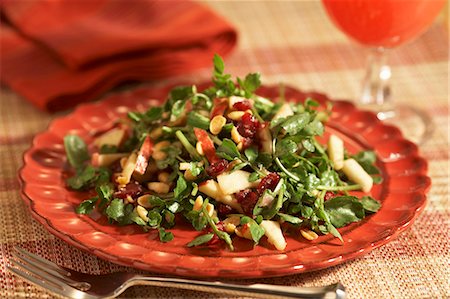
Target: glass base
416	125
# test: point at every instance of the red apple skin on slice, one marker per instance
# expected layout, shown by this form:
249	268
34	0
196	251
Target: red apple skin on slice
207	145
220	105
145	152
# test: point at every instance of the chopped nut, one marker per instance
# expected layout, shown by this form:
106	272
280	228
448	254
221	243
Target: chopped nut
308	234
229	228
142	213
216	124
144	201
235	220
156	133
189	176
130	199
199	148
210	209
198	203
159	187
164	177
184	166
161	145
159	155
236	115
235	136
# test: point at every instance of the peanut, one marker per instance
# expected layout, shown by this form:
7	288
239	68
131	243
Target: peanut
308	234
159	187
216	124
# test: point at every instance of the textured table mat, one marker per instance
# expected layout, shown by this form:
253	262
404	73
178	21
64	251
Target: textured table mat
295	43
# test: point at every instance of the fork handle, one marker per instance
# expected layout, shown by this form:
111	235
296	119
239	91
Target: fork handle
333	291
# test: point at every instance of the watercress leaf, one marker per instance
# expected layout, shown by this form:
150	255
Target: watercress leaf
164	236
130	216
285	146
153	114
308	145
289	218
256	231
329	178
180	187
310	102
108	149
343	210
251	83
331	229
195	168
314	128
201	240
174	207
197	220
377	179
367	160
76	151
134	116
254	176
178	108
197	120
219	65
83	179
251	153
115	210
228	150
86	206
312	181
370	204
105	192
154	218
155	201
295	123
170	159
169	217
307	212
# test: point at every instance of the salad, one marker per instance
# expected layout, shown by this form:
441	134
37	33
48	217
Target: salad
229	162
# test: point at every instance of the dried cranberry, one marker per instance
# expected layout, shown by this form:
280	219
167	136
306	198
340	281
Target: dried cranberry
328	195
132	189
246	142
223	210
242	105
248	125
216	168
270	181
247	199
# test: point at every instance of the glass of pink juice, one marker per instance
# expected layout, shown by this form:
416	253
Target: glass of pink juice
381	25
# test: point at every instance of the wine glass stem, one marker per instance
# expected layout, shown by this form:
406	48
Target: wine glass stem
376	92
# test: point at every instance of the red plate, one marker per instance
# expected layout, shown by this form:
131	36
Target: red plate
402	194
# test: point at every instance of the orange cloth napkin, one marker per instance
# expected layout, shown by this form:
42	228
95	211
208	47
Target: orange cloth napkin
57	53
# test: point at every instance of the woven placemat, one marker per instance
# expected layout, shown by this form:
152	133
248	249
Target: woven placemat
291	42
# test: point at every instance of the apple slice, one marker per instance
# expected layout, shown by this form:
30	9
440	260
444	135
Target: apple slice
206	144
220	105
336	151
113	137
274	234
266	139
144	154
212	189
128	169
354	171
284	111
106	159
234	181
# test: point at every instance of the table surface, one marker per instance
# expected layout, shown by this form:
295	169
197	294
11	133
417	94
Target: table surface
291	42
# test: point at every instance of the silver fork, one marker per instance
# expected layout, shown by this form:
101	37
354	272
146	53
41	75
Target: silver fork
73	284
